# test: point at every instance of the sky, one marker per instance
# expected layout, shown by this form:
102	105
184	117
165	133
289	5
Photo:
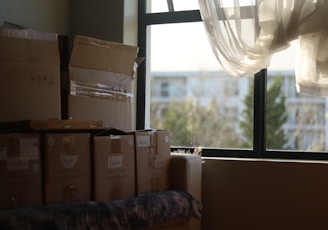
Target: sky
161	5
181	47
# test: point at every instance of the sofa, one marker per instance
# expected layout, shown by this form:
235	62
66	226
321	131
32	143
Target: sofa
177	208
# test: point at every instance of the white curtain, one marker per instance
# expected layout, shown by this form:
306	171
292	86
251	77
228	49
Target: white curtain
244	34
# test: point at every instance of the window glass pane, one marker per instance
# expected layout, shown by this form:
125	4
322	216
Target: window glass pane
294	121
191	95
181	5
157	6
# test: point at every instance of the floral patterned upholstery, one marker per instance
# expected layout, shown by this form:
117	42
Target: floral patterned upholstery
132	213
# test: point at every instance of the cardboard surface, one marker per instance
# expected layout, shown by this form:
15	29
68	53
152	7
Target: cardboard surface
20	171
67	167
152	149
114	167
101	74
92	53
29	75
54	124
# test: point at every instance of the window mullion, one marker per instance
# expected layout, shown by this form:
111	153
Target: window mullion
170	5
141	79
172	17
259	132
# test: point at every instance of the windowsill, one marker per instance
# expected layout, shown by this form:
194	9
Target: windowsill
265	160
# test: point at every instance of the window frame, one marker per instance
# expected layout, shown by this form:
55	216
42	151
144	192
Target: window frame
260	88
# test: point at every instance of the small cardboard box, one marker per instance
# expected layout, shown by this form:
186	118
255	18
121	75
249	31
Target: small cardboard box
101	74
20	171
153	152
114	167
29	74
67	167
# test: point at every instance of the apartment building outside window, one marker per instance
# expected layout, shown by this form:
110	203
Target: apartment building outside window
227	116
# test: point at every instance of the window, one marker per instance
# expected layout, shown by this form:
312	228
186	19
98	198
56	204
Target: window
182	88
156	6
165	92
304	129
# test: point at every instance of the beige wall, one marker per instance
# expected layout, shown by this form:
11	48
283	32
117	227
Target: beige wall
130	27
43	15
255	194
101	19
114	20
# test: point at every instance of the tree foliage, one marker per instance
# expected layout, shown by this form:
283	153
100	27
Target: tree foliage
246	124
192	124
276	117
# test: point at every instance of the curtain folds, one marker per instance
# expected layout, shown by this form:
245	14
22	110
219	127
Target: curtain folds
244	34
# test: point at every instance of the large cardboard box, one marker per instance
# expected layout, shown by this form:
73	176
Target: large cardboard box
114	167
29	75
101	74
20	171
67	167
153	150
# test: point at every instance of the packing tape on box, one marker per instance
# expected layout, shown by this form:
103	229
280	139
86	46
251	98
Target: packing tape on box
99	91
26	148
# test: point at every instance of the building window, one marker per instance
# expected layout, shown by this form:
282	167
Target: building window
165	90
254	116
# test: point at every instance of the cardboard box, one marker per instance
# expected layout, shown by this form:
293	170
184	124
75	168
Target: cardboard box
101	74
57	125
67	167
90	126
114	167
20	171
152	149
29	74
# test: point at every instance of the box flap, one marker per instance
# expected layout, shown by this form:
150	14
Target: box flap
112	131
137	62
18	31
28	46
7	24
92	53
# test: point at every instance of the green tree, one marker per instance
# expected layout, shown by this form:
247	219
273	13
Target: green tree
276	117
192	124
246	124
174	117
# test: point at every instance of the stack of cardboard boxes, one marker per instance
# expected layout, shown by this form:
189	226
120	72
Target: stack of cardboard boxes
51	167
79	158
99	80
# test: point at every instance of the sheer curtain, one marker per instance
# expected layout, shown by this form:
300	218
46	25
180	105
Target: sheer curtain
244	34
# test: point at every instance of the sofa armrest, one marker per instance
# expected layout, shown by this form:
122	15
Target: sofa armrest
186	173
